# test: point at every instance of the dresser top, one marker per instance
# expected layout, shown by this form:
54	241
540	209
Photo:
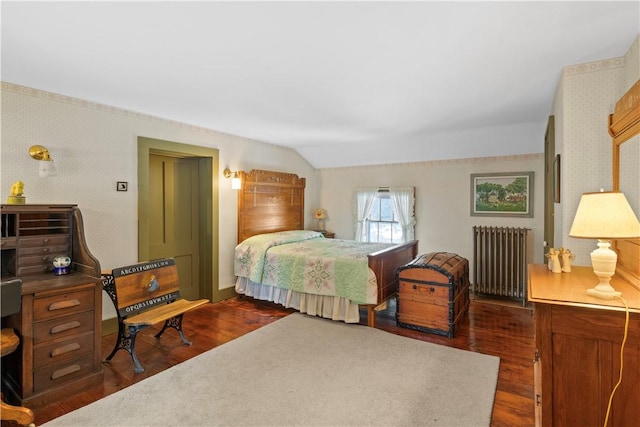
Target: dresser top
571	289
35	208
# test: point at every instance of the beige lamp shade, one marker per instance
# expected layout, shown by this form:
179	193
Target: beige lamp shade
320	214
605	215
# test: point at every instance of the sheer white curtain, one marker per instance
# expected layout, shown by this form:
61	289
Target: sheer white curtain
403	204
363	201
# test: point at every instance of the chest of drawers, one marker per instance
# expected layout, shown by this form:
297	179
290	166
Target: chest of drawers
59	328
578	344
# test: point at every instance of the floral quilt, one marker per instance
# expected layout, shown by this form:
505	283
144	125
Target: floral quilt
304	261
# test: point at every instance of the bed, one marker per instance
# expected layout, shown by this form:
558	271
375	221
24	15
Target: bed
271	230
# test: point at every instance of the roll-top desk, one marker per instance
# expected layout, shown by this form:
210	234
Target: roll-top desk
578	341
59	324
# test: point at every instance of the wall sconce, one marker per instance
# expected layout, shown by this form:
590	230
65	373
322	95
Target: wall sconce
236	182
46	165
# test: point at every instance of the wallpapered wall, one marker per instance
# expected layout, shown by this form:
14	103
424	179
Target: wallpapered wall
95	146
443	200
585	98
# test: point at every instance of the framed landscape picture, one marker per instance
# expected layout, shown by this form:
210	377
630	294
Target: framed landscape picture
502	194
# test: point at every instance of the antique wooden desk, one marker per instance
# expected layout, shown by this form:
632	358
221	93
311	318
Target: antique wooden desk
60	318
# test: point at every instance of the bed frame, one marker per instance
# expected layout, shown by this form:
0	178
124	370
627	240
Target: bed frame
274	201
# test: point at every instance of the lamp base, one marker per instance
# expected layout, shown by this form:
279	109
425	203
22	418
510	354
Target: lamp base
604	261
604	294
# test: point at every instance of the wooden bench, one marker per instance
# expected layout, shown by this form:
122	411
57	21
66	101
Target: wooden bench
146	294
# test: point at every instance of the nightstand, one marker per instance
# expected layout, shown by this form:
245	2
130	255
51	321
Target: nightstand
327	234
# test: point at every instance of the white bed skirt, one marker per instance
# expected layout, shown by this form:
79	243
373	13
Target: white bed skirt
334	308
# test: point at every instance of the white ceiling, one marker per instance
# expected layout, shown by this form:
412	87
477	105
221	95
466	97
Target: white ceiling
328	79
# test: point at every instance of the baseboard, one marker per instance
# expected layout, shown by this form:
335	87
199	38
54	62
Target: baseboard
224	294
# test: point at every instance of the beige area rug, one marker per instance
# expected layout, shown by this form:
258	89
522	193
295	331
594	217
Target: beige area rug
308	371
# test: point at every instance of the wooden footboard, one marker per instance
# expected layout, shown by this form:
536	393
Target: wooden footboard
384	264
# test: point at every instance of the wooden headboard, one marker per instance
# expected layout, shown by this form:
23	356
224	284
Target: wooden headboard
268	202
624	124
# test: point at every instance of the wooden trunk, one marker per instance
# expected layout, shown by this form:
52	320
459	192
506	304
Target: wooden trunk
433	293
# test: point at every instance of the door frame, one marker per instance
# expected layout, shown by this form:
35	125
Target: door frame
208	216
549	202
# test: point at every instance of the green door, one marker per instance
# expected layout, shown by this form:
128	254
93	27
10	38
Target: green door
173	217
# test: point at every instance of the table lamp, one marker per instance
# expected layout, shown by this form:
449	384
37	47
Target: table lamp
604	216
320	215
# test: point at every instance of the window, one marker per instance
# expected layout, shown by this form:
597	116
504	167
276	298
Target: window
381	223
384	215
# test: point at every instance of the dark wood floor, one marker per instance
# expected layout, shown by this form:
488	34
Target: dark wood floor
492	327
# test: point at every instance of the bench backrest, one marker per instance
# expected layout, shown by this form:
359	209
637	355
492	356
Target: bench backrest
142	286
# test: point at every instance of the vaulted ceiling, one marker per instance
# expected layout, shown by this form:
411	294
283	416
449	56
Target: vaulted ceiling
343	83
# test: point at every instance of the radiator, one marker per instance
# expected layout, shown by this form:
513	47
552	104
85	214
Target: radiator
500	262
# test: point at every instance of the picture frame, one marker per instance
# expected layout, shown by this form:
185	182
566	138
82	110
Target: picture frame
556	179
508	194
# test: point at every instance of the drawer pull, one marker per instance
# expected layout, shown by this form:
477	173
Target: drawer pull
65	349
64	327
63	304
65	371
